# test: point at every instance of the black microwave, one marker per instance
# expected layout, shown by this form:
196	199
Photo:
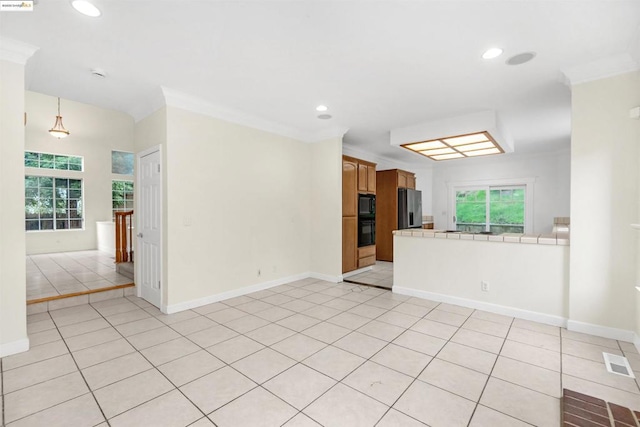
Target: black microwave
367	206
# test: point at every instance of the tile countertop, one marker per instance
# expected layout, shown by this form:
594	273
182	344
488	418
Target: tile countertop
539	239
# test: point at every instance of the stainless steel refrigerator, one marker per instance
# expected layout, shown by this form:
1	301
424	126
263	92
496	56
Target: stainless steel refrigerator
409	208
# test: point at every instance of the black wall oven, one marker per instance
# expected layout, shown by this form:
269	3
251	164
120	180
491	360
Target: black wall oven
366	220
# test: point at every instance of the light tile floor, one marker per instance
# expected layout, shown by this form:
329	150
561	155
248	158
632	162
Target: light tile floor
305	354
69	272
381	274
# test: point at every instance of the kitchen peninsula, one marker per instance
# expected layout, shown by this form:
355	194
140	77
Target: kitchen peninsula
526	276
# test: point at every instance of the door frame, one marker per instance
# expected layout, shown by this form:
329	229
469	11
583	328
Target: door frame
138	271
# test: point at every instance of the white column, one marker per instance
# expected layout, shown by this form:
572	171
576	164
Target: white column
13	316
605	183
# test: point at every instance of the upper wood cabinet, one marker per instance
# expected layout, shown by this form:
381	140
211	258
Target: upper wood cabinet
406	179
411	181
366	177
349	187
402	180
371	179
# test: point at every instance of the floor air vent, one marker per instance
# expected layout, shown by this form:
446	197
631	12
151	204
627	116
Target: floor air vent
617	365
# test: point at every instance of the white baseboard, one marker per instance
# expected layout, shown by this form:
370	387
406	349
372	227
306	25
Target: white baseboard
174	308
326	277
602	331
14	347
548	319
358	271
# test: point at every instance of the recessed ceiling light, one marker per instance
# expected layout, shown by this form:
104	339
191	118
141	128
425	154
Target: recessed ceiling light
324	116
86	8
491	53
322	108
521	58
456	147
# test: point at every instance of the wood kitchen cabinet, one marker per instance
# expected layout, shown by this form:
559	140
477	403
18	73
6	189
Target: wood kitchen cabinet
366	177
349	243
358	176
349	188
366	256
387	184
406	179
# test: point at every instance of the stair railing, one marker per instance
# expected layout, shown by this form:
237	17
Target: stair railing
124	245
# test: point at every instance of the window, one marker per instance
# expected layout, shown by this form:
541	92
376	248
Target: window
53	203
496	206
502	212
121	196
33	159
121	163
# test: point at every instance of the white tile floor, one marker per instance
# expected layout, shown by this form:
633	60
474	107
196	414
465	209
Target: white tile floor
381	274
305	354
69	272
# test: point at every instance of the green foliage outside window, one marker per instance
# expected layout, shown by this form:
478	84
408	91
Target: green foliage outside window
53	203
121	196
34	159
504	209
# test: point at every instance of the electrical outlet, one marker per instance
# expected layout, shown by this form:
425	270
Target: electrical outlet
484	286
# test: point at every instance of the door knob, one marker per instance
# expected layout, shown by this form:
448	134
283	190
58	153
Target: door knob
139	235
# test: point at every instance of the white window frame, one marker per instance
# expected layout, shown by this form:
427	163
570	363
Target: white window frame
54	218
123	174
528	183
54	168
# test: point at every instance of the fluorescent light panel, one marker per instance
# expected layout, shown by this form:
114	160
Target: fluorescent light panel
445	150
421	146
455	147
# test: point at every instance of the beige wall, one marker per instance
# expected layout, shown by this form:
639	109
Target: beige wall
13	318
326	208
95	132
604	201
239	206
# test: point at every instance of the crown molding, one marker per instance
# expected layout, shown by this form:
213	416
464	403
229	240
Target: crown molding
335	132
16	51
600	69
194	104
359	153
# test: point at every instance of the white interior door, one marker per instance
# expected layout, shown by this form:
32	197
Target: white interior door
150	227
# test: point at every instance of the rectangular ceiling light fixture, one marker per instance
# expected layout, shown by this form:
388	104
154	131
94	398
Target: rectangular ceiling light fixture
456	147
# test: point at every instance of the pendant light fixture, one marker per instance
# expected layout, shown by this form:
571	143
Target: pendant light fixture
58	129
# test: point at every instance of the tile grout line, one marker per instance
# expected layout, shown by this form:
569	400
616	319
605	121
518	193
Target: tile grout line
414	378
297	363
60	376
320	321
322	373
84	266
83	377
153	367
490	375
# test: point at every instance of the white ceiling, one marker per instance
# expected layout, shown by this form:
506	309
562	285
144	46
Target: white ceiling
378	65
